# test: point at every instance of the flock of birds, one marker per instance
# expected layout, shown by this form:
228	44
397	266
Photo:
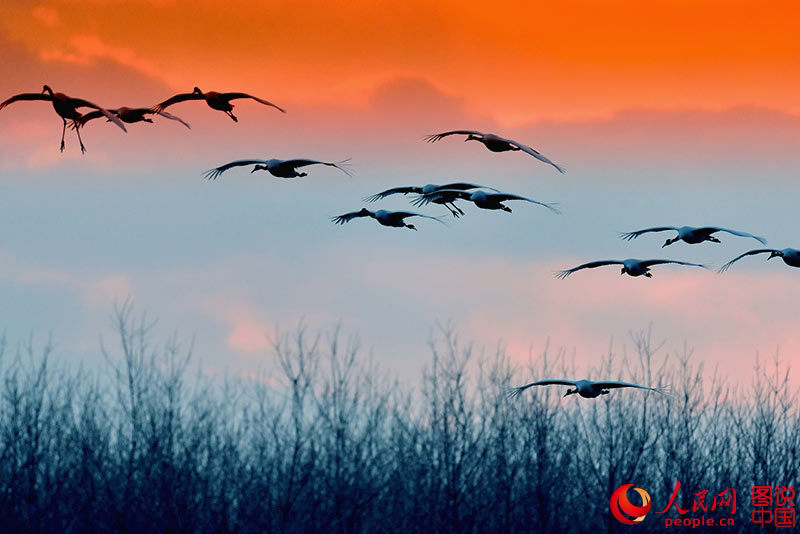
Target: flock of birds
447	195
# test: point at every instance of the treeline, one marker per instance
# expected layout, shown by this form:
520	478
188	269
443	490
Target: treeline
329	443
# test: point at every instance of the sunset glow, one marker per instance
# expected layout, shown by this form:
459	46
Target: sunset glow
525	61
668	94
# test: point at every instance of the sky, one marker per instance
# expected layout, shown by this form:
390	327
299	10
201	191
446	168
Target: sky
669	113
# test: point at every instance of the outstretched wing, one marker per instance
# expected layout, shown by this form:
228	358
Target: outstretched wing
347	217
343	165
535	153
612	385
748	253
86	117
650	263
515	392
26	96
712	229
393	191
627	236
81	103
181	97
400	215
233	96
215	172
435	137
591	265
501	197
171	117
463	186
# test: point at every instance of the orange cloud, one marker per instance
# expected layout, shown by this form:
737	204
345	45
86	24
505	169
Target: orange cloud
47	15
85	50
518	63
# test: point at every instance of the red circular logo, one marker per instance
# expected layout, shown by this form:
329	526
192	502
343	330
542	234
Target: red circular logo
625	511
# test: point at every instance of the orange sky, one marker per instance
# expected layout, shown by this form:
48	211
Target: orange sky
513	62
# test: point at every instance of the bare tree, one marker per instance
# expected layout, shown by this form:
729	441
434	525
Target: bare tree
326	441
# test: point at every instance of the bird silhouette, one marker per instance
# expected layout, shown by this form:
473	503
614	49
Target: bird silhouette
130	116
481	199
281	168
67	109
395	219
790	256
585	388
690	234
430	188
495	143
218	101
631	267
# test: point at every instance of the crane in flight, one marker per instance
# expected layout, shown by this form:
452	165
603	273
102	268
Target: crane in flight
631	267
394	219
130	116
427	189
481	199
215	100
585	388
690	234
495	143
280	168
67	109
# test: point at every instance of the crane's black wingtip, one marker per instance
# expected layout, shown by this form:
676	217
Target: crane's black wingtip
513	393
